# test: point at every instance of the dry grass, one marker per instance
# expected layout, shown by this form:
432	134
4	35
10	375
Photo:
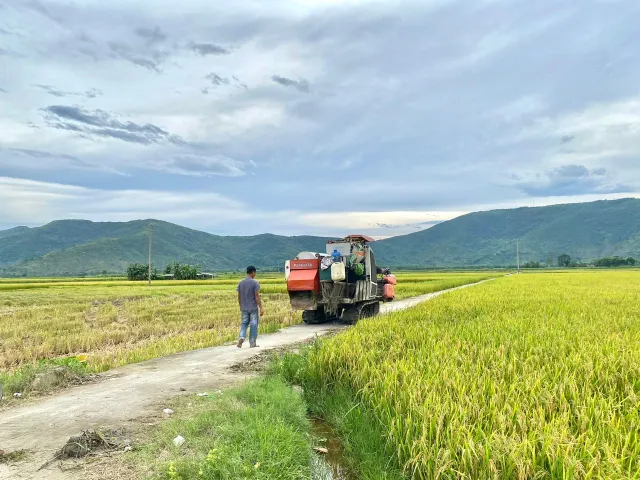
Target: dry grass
119	325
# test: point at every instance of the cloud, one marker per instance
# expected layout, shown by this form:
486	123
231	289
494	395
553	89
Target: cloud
37	6
598	132
412	226
202	166
300	85
40	154
238	83
43	161
3	90
433	111
204	49
572	180
35	203
103	124
379	221
125	52
151	35
216	79
92	93
521	108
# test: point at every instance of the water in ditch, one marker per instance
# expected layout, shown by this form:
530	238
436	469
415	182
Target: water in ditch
330	465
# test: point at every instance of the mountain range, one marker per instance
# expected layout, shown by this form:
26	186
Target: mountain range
585	231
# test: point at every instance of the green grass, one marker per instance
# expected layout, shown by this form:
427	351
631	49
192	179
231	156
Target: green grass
21	378
257	431
363	439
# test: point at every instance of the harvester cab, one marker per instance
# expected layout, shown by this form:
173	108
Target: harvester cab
342	283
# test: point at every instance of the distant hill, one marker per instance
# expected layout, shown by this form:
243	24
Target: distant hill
585	231
12	231
73	247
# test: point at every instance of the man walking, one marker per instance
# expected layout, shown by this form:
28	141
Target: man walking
250	302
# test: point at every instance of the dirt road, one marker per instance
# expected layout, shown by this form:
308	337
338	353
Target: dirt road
128	393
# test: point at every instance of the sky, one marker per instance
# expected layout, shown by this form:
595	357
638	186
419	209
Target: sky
325	117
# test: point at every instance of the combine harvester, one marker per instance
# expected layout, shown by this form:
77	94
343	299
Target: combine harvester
341	283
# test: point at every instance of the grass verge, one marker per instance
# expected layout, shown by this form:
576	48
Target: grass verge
256	431
60	371
366	450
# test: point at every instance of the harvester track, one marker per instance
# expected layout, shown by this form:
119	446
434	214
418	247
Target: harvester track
357	312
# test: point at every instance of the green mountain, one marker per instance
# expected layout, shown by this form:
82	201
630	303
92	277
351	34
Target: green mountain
585	231
23	243
72	247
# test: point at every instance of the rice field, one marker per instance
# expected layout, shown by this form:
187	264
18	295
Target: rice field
115	322
414	284
530	376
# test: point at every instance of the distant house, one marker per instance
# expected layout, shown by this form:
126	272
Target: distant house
206	275
168	276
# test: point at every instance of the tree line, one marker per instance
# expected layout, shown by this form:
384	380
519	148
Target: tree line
179	271
565	261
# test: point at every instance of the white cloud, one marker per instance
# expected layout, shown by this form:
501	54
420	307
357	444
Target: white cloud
28	202
200	166
399	220
517	109
601	122
601	135
35	203
406	111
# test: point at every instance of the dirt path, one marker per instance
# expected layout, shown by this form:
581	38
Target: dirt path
125	394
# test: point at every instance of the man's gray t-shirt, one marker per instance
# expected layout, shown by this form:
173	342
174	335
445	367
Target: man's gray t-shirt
248	288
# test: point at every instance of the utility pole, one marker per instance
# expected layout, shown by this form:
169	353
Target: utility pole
150	241
518	254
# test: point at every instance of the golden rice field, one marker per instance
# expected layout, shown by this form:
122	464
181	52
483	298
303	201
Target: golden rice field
529	376
419	283
116	322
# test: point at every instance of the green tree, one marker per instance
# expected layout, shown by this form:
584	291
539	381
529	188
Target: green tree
615	262
182	272
564	260
140	271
